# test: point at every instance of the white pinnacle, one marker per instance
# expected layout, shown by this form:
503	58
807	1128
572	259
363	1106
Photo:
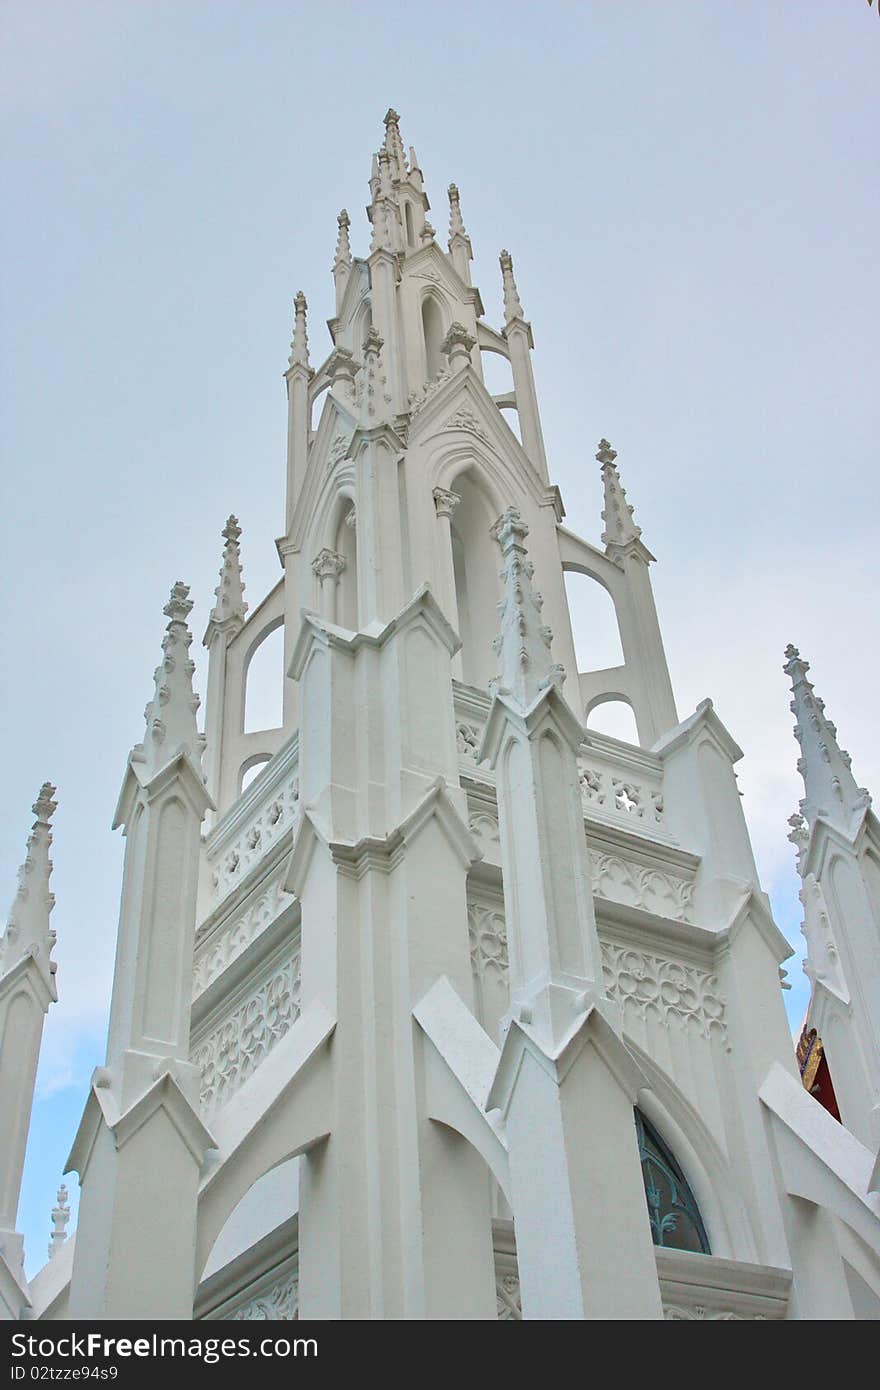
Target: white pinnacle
513	309
831	790
617	514
526	666
28	931
60	1218
299	347
171	714
230	607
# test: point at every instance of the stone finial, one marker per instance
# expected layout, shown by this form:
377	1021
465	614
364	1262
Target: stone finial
299	345
229	610
394	144
171	714
342	260
620	528
28	931
427	234
60	1218
342	368
456	225
513	309
524	641
799	836
457	346
831	790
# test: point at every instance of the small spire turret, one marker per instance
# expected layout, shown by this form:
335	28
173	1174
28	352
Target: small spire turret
523	644
60	1218
513	308
620	528
342	261
28	931
459	242
831	790
230	608
171	714
299	346
394	145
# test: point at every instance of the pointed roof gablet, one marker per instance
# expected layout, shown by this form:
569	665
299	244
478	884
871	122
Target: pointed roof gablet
620	528
171	714
526	667
229	610
28	931
831	789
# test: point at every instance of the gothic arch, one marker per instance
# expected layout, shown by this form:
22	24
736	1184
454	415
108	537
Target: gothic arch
433	321
475	567
257	641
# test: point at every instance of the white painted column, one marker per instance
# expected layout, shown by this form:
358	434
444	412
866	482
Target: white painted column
445	503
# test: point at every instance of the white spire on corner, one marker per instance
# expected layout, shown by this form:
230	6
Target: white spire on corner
171	714
28	931
230	607
831	790
513	308
299	346
526	667
617	514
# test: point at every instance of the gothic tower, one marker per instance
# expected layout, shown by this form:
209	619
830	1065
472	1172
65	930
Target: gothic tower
434	1002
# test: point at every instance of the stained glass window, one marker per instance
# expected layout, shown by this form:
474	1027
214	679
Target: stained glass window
675	1217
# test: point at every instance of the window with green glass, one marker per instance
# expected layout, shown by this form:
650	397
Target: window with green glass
676	1223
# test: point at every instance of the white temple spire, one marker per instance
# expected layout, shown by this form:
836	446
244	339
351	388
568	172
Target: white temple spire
459	242
831	790
620	528
28	931
342	261
299	346
171	714
526	667
394	144
513	308
230	607
60	1218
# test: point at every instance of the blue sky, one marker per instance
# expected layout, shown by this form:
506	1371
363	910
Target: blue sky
690	194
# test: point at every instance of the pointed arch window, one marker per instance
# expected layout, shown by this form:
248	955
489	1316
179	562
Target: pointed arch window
432	328
675	1218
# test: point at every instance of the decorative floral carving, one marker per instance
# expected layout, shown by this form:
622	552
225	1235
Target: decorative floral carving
488	938
485	827
270	821
237	936
279	1300
677	1312
465	419
664	989
467	739
338	449
655	890
621	794
419	398
237	1045
508	1298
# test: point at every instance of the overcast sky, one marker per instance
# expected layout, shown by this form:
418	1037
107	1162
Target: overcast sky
690	194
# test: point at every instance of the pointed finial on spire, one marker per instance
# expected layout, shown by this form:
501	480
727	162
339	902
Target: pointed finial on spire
28	931
513	309
394	144
60	1218
229	610
171	714
456	225
831	789
343	245
523	644
299	346
617	514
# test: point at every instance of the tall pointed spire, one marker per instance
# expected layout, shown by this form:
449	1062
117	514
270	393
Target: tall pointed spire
299	346
513	309
831	790
28	931
60	1218
394	144
522	646
456	225
171	714
230	608
617	514
459	242
342	260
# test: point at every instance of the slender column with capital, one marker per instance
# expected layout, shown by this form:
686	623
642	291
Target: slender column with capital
445	503
327	567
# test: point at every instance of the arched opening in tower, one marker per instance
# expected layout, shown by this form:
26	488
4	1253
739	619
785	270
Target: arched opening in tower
432	330
475	564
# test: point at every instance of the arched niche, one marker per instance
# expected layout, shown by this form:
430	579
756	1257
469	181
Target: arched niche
264	681
475	561
410	227
345	544
613	715
362	323
673	1211
433	332
594	625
